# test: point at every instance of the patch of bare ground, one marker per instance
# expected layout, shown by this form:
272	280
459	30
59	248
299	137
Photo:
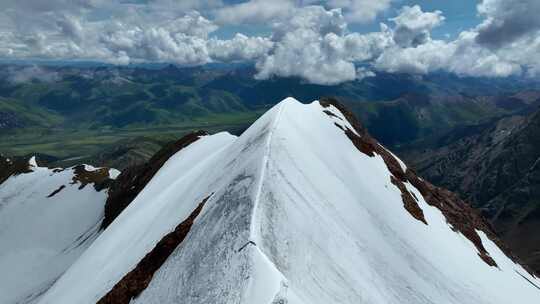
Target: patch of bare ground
99	177
136	281
133	179
459	215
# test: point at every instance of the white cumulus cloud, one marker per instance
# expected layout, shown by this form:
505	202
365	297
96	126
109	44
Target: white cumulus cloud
361	11
413	26
308	39
313	45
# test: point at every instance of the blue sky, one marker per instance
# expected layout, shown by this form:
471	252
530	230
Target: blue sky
460	15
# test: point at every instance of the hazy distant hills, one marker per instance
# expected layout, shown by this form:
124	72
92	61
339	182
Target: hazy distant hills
99	98
74	111
414	117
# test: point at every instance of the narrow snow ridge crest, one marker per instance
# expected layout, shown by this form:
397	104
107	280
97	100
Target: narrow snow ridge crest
266	280
253	236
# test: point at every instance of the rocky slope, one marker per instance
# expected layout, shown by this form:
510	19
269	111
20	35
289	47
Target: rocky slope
303	207
495	166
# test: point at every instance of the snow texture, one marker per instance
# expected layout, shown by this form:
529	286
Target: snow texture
299	216
42	234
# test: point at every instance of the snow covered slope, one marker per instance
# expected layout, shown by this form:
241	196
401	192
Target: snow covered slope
47	219
303	208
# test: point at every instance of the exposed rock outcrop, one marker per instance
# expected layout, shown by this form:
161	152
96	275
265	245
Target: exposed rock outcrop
99	177
133	283
12	166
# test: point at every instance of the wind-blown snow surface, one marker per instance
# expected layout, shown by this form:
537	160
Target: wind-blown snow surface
298	215
41	236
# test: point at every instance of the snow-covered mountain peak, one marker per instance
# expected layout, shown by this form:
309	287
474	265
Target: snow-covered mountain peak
305	207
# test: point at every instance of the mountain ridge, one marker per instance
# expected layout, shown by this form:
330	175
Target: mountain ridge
303	207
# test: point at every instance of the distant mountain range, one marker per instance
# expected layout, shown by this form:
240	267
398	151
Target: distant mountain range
74	111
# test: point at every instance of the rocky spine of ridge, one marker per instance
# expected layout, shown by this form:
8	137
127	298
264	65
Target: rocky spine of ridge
496	167
133	283
459	215
133	179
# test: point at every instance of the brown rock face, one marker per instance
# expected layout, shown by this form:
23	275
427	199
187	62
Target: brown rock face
410	202
99	177
133	179
12	166
133	283
459	215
